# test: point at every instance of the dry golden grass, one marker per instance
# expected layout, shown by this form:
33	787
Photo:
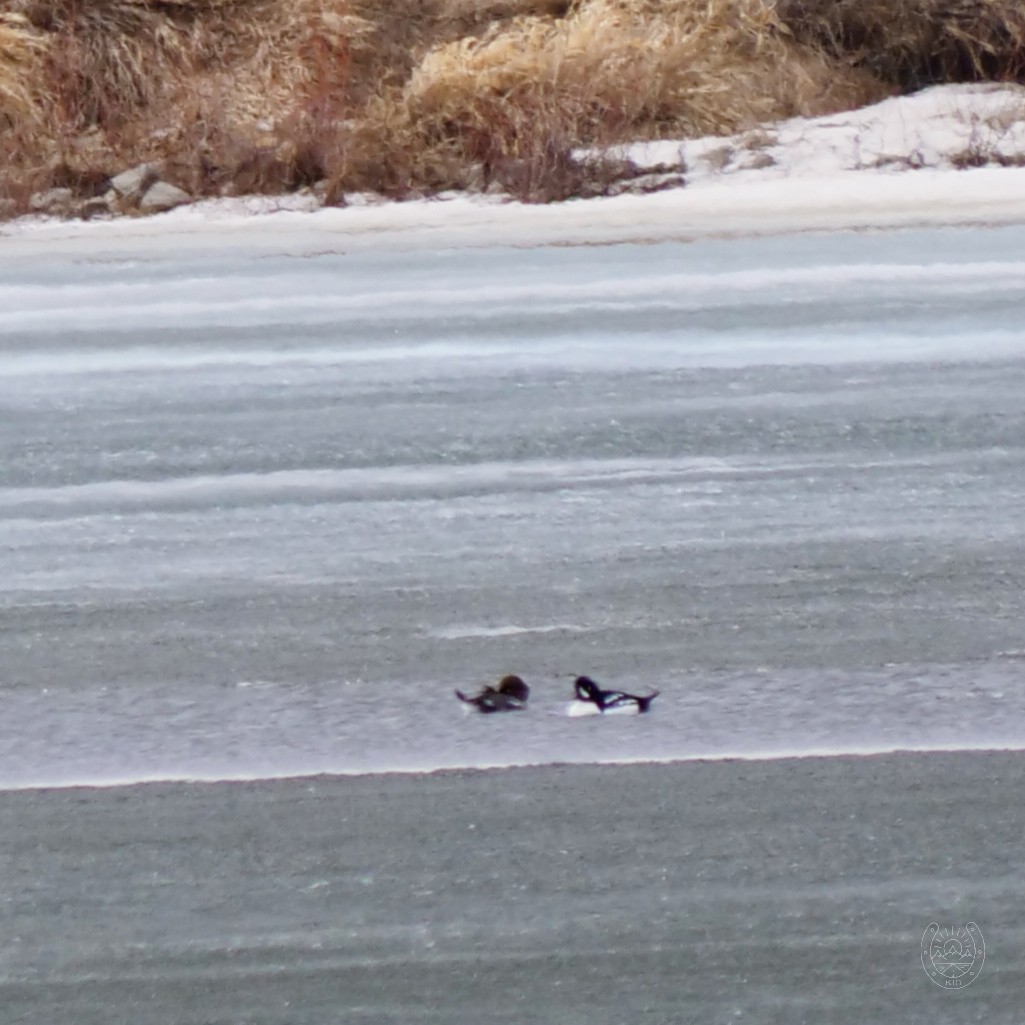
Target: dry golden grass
636	66
110	60
532	88
415	95
913	43
213	87
21	54
467	15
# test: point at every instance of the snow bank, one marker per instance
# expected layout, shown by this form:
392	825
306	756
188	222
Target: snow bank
946	127
906	162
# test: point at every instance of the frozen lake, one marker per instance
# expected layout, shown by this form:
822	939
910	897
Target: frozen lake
260	515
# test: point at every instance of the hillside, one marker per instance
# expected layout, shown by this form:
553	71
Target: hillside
411	97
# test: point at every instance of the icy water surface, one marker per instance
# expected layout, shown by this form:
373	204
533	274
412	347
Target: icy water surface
261	516
775	892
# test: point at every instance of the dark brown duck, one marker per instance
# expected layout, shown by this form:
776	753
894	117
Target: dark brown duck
509	696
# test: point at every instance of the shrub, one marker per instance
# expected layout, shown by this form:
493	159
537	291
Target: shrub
915	43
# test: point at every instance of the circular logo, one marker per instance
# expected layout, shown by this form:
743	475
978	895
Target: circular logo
953	956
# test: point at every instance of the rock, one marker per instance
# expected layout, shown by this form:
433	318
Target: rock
98	206
361	199
758	161
475	179
133	183
655	183
52	201
116	203
163	196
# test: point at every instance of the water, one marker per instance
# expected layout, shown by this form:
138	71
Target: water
259	516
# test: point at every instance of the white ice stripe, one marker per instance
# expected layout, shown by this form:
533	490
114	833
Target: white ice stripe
236	289
142	359
371	483
590	351
244	300
57	782
456	633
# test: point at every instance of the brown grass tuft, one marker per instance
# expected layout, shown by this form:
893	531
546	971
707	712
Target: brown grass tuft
915	43
629	66
529	90
22	50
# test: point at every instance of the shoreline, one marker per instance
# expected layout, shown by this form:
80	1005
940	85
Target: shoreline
945	157
854	201
426	773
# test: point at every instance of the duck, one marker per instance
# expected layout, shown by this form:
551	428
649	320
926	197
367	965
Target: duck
509	696
611	700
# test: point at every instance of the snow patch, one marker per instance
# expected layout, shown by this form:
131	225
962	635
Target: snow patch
950	127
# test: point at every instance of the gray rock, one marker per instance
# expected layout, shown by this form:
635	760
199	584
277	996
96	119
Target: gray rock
361	199
163	196
655	183
476	178
98	206
757	161
52	201
133	183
